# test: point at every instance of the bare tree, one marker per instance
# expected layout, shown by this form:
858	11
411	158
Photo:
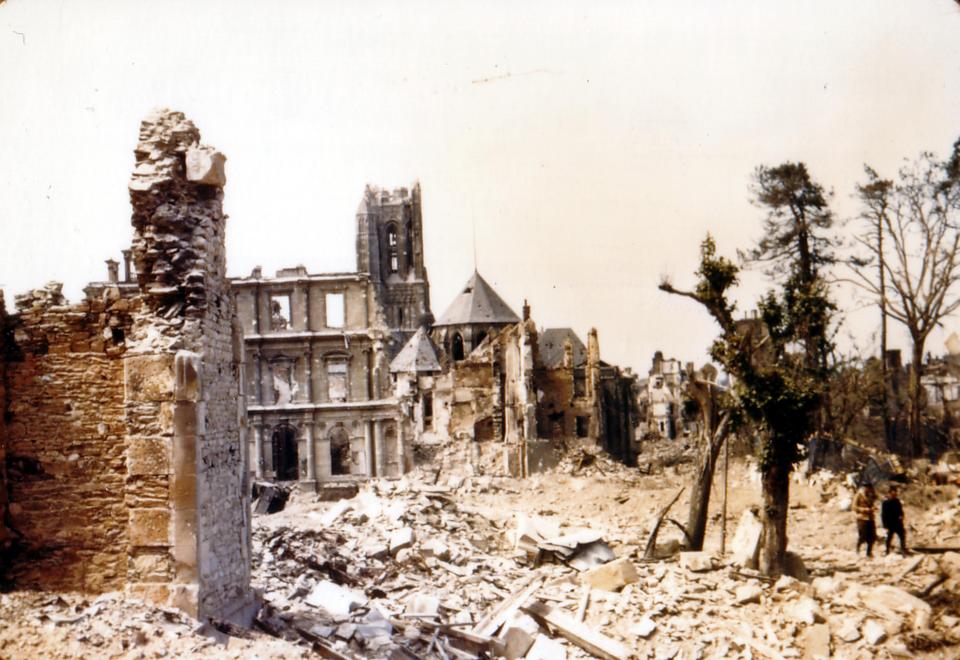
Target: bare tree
911	264
716	412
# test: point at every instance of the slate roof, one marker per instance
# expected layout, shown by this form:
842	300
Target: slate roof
417	356
478	303
551	347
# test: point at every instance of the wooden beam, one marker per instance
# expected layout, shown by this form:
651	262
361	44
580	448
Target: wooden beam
586	638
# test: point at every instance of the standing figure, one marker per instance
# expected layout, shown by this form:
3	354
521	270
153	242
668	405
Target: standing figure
863	506
891	516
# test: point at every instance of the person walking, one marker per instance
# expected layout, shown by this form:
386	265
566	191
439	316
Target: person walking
891	517
863	506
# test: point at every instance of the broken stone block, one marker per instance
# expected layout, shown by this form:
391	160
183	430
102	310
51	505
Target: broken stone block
423	605
545	648
696	562
747	593
848	630
643	628
826	586
376	551
611	576
804	610
435	548
816	641
401	539
520	632
746	542
205	165
338	601
893	602
873	632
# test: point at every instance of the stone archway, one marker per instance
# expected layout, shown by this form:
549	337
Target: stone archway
285	454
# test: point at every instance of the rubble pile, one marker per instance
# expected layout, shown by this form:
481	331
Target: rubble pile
410	570
70	625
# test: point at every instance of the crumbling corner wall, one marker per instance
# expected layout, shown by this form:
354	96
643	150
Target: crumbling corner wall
122	420
182	374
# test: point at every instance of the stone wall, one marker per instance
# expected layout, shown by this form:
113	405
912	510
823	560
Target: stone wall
124	414
65	441
184	407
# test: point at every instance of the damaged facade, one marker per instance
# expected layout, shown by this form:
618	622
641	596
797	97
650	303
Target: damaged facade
347	372
122	413
317	350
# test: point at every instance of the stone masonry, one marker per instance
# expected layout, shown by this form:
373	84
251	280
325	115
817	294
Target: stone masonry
123	413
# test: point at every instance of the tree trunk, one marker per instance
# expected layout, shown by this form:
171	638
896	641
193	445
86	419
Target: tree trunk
916	400
776	500
703	483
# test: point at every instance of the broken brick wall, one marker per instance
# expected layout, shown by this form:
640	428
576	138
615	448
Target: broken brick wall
6	535
65	431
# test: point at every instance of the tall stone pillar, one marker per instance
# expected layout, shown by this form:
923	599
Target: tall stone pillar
378	448
324	468
368	448
257	461
311	458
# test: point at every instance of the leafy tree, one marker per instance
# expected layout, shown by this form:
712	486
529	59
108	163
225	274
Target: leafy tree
774	387
797	245
911	259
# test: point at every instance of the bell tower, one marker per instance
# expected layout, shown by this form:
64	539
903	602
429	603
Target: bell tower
390	251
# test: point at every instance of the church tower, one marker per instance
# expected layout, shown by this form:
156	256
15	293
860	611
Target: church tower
390	251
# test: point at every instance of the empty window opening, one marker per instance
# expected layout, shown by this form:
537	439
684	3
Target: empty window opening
335	310
457	346
583	426
480	337
280	312
337	380
340	458
285	463
579	384
428	410
399	317
392	248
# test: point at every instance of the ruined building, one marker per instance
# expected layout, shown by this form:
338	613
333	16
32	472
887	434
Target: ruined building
122	413
510	397
317	351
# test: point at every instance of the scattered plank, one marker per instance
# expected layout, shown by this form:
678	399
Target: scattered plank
652	541
491	622
584	602
586	638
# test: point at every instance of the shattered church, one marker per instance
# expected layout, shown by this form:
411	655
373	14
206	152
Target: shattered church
348	374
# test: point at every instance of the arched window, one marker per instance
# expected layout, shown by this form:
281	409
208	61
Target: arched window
392	257
457	346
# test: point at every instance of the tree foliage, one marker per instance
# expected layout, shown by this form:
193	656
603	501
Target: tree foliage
773	386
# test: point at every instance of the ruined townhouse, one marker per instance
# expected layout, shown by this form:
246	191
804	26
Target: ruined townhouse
122	414
317	350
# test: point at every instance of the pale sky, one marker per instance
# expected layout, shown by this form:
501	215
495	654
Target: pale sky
589	146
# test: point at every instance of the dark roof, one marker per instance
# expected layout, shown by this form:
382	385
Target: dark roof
477	303
551	347
417	356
